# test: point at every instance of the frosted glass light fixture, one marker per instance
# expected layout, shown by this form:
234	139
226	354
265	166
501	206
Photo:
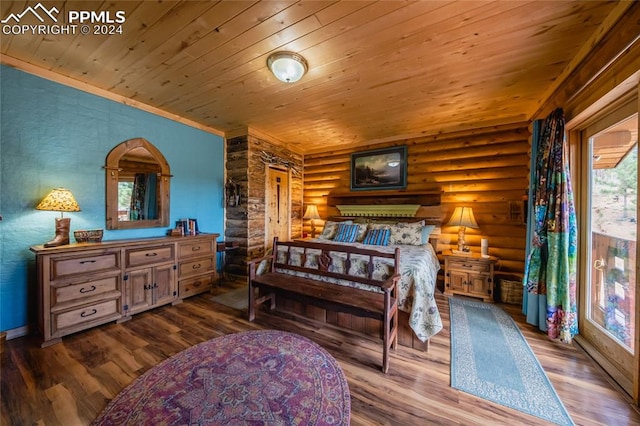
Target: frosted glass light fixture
288	67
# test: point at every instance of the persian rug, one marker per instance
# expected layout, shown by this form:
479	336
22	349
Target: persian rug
236	299
491	359
264	377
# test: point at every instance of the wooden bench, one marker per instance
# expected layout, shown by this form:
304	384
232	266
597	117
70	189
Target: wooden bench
379	303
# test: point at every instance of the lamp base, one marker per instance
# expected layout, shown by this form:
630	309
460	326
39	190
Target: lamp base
62	233
461	243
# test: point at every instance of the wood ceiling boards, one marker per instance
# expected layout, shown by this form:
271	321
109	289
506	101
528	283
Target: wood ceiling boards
377	70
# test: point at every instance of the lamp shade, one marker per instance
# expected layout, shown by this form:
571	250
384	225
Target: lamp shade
288	67
59	200
311	212
463	216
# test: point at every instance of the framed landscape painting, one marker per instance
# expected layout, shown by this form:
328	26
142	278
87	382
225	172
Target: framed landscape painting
379	169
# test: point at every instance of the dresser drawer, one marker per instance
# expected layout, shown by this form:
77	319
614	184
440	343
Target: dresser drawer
80	317
86	263
192	286
88	289
197	266
195	248
469	265
149	256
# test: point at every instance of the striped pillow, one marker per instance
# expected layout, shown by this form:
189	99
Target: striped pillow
377	237
346	233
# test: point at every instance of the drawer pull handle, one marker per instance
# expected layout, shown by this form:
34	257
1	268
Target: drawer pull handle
151	254
82	262
195	248
197	284
84	314
196	266
83	290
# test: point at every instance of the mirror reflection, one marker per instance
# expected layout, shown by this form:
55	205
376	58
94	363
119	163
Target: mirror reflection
137	186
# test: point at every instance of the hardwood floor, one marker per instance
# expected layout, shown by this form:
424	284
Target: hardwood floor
70	383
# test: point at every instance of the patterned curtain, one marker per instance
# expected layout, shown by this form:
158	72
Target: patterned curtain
550	270
136	211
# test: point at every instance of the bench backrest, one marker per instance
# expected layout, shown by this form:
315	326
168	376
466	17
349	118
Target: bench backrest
347	254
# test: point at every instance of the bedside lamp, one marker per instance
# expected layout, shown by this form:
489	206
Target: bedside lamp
59	200
312	213
462	218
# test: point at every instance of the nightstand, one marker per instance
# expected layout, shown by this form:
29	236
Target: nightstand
469	275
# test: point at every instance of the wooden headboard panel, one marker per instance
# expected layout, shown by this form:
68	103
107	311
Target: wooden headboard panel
423	198
403	206
406	206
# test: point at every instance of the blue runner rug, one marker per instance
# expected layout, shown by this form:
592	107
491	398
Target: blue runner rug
491	359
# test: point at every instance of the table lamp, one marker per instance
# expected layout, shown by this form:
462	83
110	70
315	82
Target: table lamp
59	200
312	213
462	218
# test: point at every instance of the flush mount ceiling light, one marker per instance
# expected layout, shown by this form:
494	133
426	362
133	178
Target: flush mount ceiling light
288	67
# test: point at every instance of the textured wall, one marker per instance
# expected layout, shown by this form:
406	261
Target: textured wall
52	135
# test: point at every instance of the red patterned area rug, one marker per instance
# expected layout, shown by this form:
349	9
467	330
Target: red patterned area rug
262	377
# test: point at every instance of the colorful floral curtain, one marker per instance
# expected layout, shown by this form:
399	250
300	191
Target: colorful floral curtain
549	299
136	211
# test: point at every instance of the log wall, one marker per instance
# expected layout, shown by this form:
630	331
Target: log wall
248	157
486	169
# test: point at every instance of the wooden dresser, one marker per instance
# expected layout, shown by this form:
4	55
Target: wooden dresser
84	285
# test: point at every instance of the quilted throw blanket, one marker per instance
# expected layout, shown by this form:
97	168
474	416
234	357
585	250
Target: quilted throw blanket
419	267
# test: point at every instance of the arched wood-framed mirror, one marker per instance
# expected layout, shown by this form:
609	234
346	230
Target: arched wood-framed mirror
137	181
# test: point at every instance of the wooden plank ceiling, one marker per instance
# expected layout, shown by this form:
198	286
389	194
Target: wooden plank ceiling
377	70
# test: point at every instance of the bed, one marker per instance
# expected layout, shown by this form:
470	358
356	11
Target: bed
419	265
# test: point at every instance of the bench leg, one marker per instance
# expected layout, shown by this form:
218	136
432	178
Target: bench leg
255	301
386	343
395	328
385	359
390	338
252	308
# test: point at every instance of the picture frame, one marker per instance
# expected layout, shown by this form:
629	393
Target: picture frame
379	169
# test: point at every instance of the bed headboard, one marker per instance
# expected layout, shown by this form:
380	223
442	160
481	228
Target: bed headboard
405	205
401	206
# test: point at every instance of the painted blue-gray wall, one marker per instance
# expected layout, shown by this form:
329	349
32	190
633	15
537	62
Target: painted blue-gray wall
52	135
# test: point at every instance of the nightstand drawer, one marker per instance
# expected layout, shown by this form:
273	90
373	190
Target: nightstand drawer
469	265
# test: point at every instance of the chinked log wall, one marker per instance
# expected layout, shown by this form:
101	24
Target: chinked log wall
247	166
486	169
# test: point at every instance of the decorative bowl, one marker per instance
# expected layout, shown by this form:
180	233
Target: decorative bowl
90	236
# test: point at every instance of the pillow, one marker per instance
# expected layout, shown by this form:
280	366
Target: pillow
264	265
407	233
347	233
377	237
426	232
362	230
330	229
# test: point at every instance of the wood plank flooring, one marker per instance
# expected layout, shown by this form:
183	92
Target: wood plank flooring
69	383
